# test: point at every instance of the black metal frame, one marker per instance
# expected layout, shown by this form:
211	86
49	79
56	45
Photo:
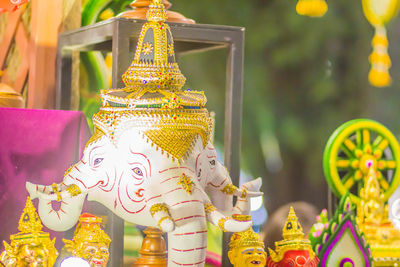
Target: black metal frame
119	35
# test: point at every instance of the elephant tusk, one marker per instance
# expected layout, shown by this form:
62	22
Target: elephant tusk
70	191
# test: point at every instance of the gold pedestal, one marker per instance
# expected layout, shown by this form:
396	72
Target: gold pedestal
140	8
154	250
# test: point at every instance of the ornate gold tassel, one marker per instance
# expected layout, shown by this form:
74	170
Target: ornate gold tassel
380	61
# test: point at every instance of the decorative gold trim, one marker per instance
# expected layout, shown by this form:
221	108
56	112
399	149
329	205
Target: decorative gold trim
157	208
74	190
163	219
229	189
221	223
209	208
186	183
241	217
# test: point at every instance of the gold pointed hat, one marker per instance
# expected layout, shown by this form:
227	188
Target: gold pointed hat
154	66
31	233
293	239
152	101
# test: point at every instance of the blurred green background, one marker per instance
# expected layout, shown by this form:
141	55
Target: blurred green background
303	77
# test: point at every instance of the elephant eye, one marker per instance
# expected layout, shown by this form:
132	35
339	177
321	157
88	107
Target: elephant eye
138	171
97	161
212	162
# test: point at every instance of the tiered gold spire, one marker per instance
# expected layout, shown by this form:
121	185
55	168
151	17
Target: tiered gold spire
30	235
154	66
293	239
292	229
29	221
152	101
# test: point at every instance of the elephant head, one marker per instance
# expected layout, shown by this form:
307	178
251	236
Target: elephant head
141	160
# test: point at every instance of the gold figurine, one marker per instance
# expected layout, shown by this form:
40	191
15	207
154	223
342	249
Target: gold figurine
90	242
245	248
31	246
293	247
373	220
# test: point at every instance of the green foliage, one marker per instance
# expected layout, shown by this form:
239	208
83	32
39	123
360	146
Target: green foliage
303	77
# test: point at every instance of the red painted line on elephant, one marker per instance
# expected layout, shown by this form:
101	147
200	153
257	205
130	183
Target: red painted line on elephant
210	148
210	157
239	209
71	176
63	202
99	182
174	177
179	188
49	203
241	200
174	168
44	188
80	182
51	210
192	233
127	193
108	182
189	217
37	188
62	210
187	201
77	168
188	250
58	215
219	184
153	198
122	204
188	264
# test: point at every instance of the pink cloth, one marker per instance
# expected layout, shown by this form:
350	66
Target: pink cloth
36	146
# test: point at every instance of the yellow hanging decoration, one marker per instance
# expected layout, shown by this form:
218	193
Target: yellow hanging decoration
378	13
311	8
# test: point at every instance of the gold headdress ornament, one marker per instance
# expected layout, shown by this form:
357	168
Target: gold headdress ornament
293	239
247	238
30	233
152	100
88	230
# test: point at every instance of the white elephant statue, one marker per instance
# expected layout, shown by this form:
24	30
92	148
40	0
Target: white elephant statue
141	185
150	160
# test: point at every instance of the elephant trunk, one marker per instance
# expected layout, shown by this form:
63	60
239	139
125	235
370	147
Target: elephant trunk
67	215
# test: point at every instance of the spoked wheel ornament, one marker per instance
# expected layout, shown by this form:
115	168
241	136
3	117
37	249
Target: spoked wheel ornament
352	149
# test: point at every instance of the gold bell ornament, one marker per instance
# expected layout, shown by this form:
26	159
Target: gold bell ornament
379	13
311	8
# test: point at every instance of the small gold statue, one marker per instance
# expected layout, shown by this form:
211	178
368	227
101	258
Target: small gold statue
372	208
373	220
30	247
245	248
90	242
293	250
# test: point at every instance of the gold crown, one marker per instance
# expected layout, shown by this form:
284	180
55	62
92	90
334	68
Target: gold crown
87	231
152	100
247	238
293	239
30	233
